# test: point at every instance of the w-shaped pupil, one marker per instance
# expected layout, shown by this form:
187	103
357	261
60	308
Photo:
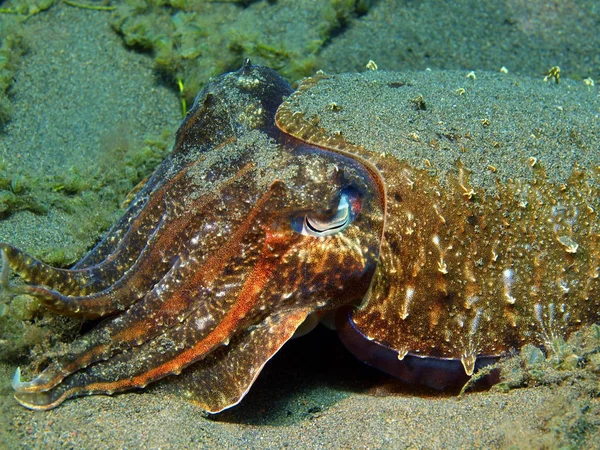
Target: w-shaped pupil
328	224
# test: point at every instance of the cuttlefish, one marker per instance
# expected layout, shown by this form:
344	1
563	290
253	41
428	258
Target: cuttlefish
264	219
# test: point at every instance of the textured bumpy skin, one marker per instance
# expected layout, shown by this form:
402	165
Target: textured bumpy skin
474	261
443	243
239	235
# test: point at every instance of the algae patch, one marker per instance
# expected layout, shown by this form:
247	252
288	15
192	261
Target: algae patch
572	368
89	195
577	358
194	41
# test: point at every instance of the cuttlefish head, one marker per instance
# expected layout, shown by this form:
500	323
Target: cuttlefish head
240	235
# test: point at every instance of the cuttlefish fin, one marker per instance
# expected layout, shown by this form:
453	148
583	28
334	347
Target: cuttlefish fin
223	378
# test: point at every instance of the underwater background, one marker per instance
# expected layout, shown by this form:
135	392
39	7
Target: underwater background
91	94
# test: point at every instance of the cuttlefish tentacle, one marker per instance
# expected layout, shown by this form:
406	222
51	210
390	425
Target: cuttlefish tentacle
155	258
168	304
115	258
231	370
228	368
89	279
252	308
223	274
86	281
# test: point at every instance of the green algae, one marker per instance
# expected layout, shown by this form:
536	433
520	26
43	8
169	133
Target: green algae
92	198
26	8
21	191
20	325
194	41
572	418
89	195
578	357
18	193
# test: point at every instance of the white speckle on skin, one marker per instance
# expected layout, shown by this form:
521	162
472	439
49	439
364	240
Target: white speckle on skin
508	280
410	291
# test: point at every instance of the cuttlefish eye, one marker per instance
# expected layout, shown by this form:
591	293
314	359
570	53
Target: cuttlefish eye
316	224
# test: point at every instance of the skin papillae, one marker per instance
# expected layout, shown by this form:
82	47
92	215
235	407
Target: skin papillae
466	275
260	217
239	235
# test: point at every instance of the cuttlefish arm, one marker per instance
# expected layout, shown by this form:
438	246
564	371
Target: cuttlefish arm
245	232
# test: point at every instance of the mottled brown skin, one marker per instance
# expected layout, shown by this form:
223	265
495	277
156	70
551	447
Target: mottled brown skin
220	258
466	275
208	269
